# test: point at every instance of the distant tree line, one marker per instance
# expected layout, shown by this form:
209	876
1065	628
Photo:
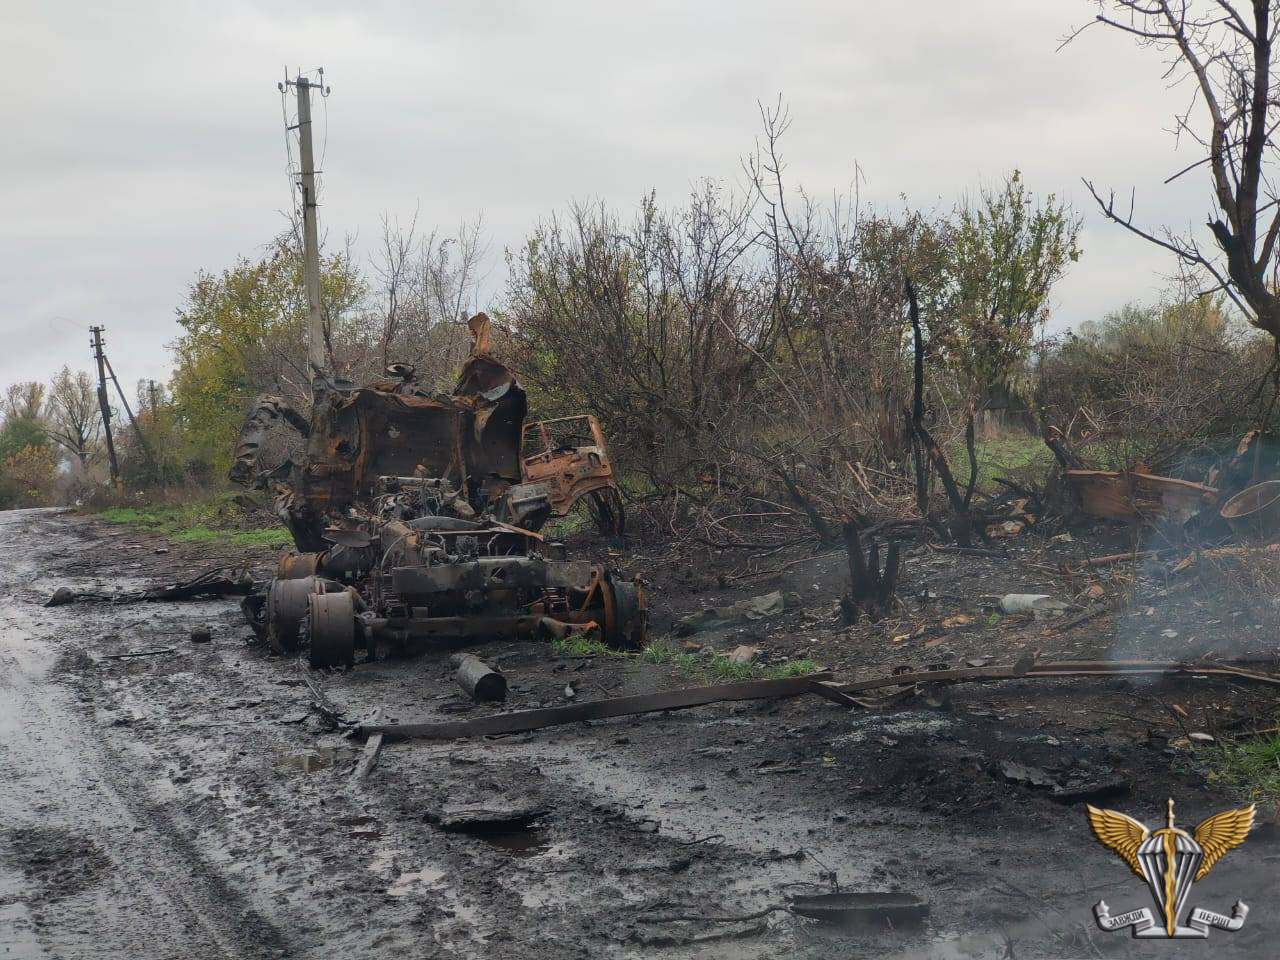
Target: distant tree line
748	340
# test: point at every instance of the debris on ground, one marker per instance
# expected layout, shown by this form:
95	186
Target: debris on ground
372	750
1254	513
1040	605
490	818
477	679
1138	496
924	727
217	582
525	720
744	611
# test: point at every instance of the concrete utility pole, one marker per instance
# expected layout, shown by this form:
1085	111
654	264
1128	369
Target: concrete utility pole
104	406
310	230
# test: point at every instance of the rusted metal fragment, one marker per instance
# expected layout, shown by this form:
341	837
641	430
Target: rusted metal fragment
1063	668
1136	496
569	455
479	680
522	720
1254	513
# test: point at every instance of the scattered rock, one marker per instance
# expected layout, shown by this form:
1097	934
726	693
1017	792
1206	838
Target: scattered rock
201	635
1097	791
744	656
61	596
1016	772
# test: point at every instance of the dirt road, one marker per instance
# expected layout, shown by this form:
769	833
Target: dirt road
189	802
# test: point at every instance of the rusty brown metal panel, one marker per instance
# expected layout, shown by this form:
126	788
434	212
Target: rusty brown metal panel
569	473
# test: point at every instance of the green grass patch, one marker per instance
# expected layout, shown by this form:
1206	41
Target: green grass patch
209	520
720	668
796	668
1254	765
583	645
659	651
1010	455
1005	455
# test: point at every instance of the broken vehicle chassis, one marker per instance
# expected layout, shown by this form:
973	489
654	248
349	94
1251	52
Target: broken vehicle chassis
416	517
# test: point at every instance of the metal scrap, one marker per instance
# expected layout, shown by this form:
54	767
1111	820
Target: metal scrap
1136	495
479	680
524	720
1060	669
416	520
217	582
821	684
372	749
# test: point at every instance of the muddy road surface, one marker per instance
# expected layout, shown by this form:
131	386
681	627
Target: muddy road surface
162	798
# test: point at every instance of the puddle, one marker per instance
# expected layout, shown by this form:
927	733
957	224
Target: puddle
305	761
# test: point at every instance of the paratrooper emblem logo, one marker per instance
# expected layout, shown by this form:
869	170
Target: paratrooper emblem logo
1170	861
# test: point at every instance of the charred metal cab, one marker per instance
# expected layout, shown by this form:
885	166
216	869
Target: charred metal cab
416	518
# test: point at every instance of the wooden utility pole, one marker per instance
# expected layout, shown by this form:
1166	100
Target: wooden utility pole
310	230
151	389
104	406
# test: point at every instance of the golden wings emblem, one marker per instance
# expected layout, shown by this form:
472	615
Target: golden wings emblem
1170	860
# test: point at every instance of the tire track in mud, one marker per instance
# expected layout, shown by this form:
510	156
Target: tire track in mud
92	869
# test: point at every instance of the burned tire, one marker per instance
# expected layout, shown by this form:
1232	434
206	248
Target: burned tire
333	630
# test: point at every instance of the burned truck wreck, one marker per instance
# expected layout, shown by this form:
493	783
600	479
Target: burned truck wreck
416	517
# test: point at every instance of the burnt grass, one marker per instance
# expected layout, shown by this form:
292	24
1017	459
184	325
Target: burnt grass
970	796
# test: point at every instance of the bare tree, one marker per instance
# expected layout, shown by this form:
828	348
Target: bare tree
23	401
71	409
1223	49
427	285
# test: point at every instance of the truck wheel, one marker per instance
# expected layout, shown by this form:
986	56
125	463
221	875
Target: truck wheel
625	616
286	607
333	630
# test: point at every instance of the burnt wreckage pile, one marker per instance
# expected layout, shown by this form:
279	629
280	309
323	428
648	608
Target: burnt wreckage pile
416	518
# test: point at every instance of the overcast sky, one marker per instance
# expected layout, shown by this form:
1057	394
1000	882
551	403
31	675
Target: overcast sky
143	142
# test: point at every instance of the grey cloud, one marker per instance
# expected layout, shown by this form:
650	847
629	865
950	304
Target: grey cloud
144	141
